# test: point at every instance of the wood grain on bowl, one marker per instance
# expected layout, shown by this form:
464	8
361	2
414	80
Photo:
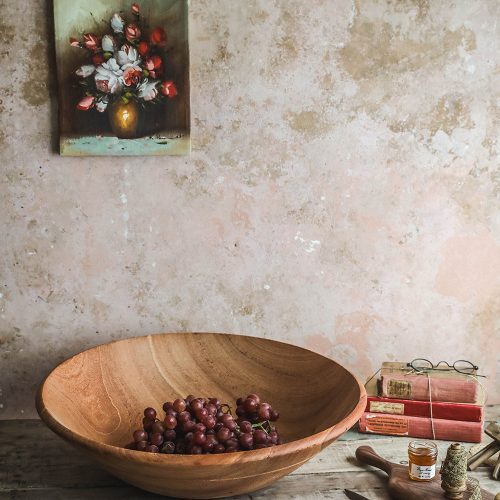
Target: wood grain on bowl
95	400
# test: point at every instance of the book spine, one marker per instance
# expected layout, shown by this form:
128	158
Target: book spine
447	411
420	427
416	387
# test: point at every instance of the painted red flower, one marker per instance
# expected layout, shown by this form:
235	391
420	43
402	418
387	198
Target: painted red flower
132	76
168	89
143	48
132	32
158	37
135	8
74	42
153	65
86	103
98	58
91	41
153	62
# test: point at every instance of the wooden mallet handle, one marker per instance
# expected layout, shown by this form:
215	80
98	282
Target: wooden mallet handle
367	455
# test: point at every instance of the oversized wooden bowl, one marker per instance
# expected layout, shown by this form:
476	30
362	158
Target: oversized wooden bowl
95	400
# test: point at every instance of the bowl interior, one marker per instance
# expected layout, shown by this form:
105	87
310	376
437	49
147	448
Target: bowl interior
100	393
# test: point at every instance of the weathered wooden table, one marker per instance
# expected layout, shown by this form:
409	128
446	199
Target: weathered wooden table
37	464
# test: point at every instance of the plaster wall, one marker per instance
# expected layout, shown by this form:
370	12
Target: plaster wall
342	192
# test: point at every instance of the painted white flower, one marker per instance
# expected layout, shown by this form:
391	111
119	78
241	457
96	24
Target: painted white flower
117	23
102	104
113	66
85	70
148	90
128	56
108	77
108	43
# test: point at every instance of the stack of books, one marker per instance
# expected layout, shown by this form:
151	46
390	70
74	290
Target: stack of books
439	404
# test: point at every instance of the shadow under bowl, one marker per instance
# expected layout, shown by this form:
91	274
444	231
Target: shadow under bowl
95	400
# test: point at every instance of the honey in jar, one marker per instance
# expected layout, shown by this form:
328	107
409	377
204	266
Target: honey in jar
422	456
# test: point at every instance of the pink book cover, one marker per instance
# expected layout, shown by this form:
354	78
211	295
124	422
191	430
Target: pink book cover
397	381
420	427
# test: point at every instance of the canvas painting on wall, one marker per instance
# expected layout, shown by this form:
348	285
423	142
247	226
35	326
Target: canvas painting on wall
123	77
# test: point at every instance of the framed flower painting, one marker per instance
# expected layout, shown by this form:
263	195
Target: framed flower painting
123	76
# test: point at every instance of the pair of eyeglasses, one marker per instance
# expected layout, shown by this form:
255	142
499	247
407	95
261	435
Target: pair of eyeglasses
460	366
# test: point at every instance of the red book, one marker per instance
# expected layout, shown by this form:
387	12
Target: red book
447	411
420	427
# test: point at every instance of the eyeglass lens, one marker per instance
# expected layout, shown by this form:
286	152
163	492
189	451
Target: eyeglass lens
464	366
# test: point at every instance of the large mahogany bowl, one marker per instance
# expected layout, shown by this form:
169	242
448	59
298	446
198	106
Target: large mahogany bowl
95	400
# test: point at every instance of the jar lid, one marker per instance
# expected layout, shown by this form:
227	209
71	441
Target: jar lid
423	447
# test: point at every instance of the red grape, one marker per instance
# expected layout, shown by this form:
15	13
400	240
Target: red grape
199	438
219	448
140	435
200	427
170	435
210	443
209	422
201	414
141	445
170	422
254	396
273	437
179	405
156	439
232	443
158	427
188	426
147	423
150	413
249	405
196	405
273	415
184	416
224	434
260	437
246	441
245	426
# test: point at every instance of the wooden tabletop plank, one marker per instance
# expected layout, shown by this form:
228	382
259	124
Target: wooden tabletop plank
37	464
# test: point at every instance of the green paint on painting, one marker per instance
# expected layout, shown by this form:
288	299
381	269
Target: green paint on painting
157	145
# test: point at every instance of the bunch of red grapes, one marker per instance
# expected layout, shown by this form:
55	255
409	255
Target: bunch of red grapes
196	426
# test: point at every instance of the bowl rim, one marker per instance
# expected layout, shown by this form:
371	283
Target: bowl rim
322	438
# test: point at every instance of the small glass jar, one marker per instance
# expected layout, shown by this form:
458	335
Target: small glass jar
422	460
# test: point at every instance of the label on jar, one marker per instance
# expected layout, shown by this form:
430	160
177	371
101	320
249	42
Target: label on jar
422	471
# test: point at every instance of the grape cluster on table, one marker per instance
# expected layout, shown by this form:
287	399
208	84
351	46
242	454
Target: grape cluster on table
196	426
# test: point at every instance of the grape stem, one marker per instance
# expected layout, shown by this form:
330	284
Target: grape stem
227	408
260	425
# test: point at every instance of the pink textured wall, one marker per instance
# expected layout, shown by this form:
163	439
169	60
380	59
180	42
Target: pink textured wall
342	193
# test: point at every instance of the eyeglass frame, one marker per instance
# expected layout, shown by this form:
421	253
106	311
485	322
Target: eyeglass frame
435	366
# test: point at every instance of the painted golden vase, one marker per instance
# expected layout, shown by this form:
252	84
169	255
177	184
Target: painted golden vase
124	119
